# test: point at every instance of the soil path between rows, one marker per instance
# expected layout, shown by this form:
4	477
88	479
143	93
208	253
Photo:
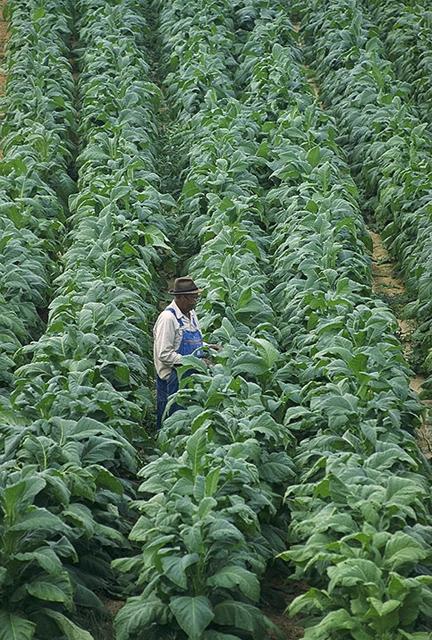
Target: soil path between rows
3	41
387	285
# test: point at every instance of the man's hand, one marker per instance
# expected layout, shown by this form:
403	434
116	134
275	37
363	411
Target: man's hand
215	347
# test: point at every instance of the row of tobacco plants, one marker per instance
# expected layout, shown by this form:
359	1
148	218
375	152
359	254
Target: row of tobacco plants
310	391
37	144
388	146
209	502
406	30
66	462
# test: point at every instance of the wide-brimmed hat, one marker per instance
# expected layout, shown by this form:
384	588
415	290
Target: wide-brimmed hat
184	286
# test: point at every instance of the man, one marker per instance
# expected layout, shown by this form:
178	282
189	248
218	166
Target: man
176	334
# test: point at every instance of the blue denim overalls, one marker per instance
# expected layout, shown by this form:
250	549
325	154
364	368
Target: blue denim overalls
191	343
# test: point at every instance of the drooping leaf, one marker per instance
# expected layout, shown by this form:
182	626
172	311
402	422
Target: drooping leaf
234	577
242	616
137	615
67	627
402	549
193	614
175	568
14	627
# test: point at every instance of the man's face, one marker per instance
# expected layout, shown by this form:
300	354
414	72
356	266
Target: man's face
191	300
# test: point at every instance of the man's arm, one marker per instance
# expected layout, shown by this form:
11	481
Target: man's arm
164	339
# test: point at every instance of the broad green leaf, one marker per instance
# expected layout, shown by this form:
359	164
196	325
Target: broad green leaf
80	515
384	608
67	627
18	496
234	577
38	518
314	156
125	565
352	572
13	627
277	468
293	413
38	13
239	615
107	480
45	590
334	621
311	600
175	568
248	304
206	505
402	549
137	615
190	189
193	614
196	447
268	351
44	557
155	238
212	481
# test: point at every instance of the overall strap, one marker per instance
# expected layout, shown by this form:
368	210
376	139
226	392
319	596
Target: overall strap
179	320
191	340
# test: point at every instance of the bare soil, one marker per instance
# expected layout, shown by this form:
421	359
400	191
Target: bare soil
388	285
385	279
277	594
287	627
101	623
3	40
113	606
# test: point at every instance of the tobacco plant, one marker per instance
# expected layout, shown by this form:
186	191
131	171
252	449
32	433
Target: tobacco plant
309	397
388	145
218	479
406	30
38	147
86	384
333	376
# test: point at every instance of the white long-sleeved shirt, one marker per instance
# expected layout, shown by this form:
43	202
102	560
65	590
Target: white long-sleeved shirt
167	335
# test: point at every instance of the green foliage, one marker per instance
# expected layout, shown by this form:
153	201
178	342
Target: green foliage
83	387
316	358
37	145
406	30
300	434
388	144
35	546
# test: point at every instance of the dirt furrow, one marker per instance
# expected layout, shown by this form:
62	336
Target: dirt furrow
3	41
388	286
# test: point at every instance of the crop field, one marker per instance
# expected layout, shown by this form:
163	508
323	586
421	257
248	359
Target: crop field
279	152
